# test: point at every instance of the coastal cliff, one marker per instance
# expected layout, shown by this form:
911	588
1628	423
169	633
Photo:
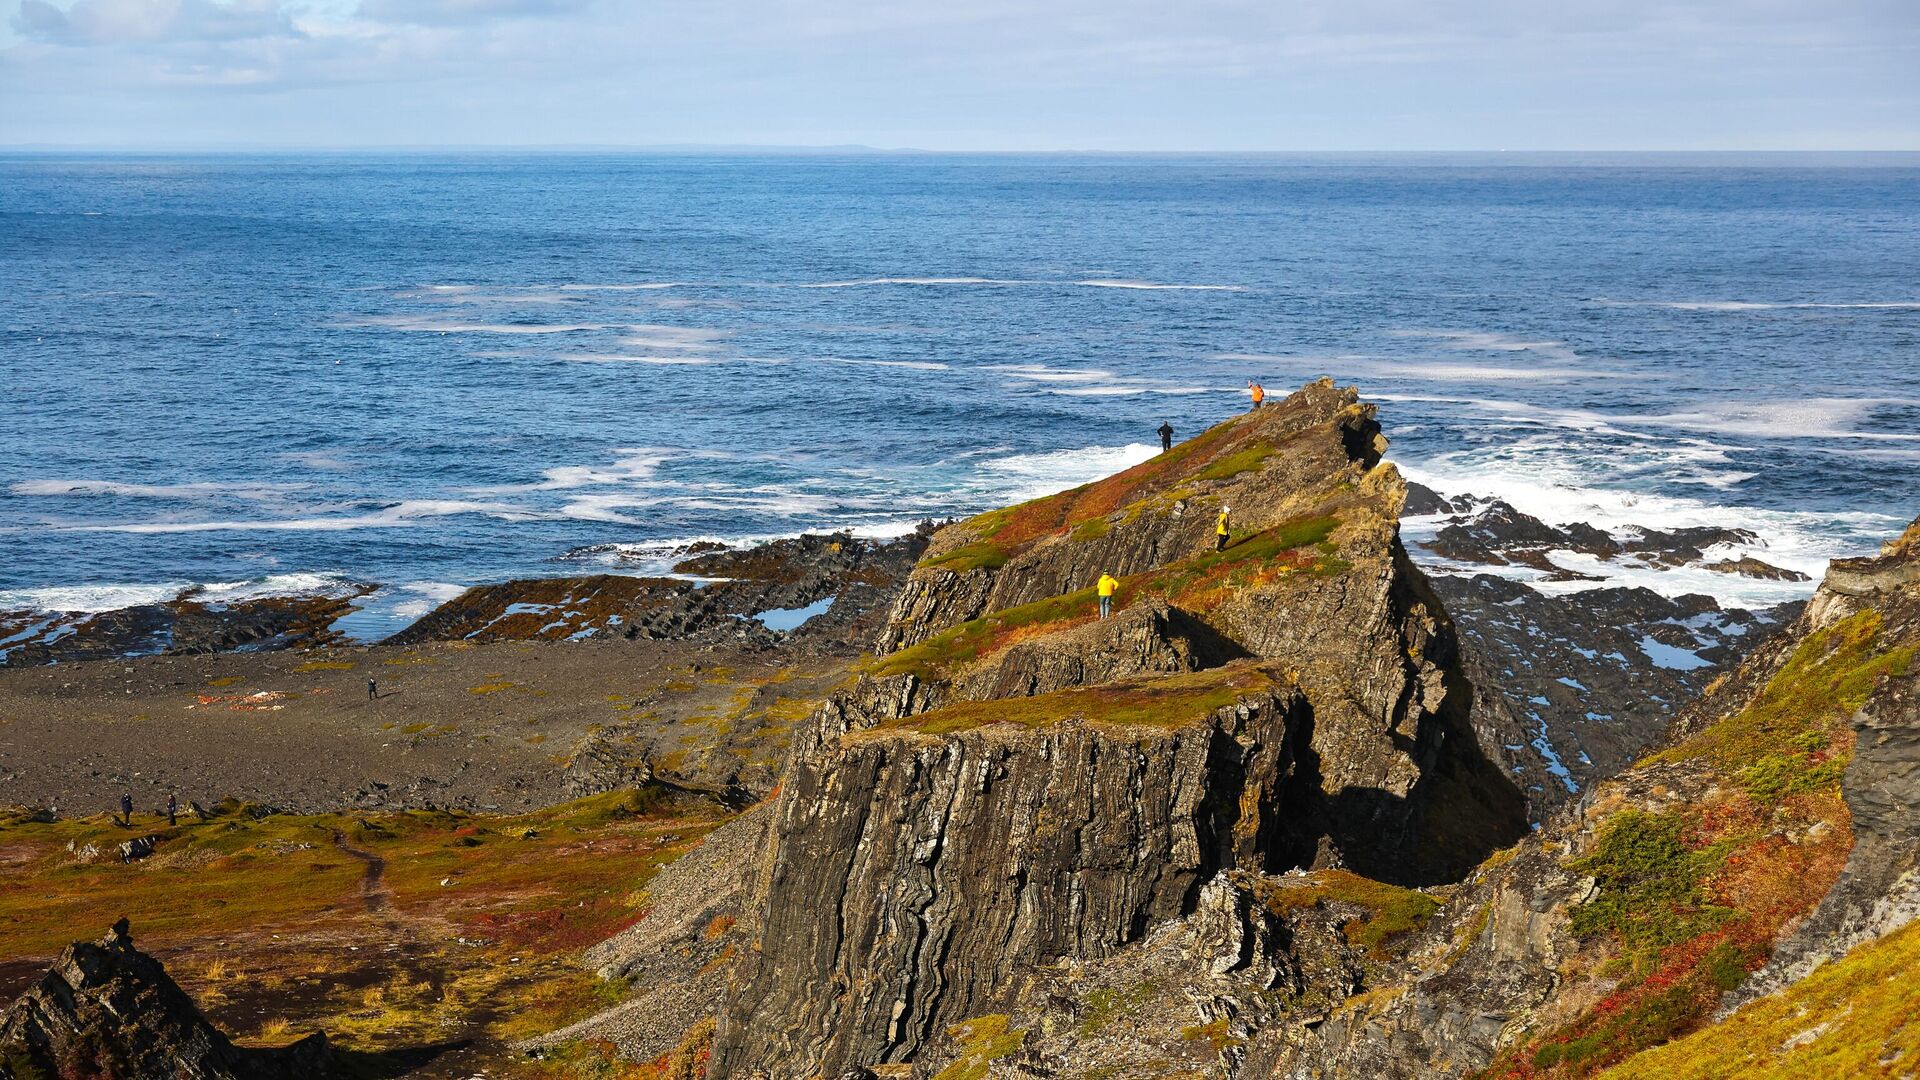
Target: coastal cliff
1010	783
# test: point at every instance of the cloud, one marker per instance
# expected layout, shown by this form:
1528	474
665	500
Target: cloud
461	12
118	22
998	74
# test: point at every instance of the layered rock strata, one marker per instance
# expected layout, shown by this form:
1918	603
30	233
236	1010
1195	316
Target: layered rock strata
1010	782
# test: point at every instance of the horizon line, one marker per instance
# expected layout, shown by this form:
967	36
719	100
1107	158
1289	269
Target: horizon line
862	148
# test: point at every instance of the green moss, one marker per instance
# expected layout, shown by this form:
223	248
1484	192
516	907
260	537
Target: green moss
1649	882
984	1040
1106	1004
1240	461
1215	1034
1092	530
979	555
1391	910
1164	703
1810	698
955	646
1776	776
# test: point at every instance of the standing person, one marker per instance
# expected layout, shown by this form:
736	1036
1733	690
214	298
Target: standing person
1220	531
373	690
1166	436
1257	392
173	809
1105	587
126	809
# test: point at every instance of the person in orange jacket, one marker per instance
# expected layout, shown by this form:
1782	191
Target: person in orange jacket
1105	587
1257	392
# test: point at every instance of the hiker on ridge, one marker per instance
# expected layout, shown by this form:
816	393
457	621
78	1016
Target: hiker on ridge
173	809
1220	532
1257	392
126	809
1166	436
1105	587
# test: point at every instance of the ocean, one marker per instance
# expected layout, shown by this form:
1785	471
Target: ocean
278	372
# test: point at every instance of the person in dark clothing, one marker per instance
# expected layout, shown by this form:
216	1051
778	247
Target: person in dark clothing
126	809
373	690
1166	436
173	809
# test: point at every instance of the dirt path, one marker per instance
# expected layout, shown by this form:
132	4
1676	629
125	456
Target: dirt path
373	889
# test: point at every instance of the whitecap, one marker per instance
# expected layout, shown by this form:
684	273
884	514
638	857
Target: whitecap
1763	305
1155	286
437	325
1045	374
259	490
625	358
1019	477
399	515
89	598
916	365
860	282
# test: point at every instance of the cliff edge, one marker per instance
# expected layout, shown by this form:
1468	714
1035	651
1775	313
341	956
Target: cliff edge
1012	782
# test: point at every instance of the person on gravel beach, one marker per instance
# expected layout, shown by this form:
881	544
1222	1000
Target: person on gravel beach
126	809
373	690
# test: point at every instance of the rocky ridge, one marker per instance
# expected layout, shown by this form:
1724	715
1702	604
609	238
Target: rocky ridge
970	808
106	1009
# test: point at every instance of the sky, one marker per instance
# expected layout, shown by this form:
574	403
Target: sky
1123	75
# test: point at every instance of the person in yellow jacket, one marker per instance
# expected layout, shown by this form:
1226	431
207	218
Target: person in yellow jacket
1105	587
1220	531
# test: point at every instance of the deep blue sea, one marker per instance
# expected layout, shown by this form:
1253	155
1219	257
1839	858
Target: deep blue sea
430	370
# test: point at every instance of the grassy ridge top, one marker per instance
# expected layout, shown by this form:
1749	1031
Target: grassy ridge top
1300	545
1229	449
1161	703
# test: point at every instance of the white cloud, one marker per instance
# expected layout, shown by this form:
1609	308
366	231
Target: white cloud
1012	74
115	22
459	12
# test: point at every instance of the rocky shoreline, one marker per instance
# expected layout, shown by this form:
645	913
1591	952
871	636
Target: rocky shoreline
1297	808
1589	677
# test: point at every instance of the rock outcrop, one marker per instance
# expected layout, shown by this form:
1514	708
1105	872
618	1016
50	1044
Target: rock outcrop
105	1009
189	623
1765	840
724	595
1594	677
1011	783
1492	532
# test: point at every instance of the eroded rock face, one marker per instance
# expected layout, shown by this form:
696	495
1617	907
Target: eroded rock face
1148	639
935	868
1011	782
106	1009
